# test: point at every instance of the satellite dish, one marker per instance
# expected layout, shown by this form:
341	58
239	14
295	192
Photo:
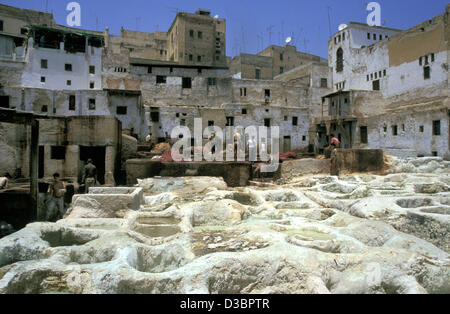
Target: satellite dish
216	16
342	27
288	40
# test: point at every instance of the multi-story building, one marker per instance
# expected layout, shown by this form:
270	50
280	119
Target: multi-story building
151	46
197	39
271	62
390	88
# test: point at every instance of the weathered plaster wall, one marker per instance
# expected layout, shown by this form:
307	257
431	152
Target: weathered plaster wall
56	76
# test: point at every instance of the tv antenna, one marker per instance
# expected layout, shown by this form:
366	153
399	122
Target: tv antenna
269	30
329	20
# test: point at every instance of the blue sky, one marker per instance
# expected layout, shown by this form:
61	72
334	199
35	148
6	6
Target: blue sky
248	21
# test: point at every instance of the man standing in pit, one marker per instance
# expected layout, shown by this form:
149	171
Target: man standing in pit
90	175
56	191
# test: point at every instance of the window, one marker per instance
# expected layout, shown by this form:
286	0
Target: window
149	70
324	83
437	128
304	138
243	92
182	122
4	101
426	73
244	111
92	104
200	35
426	60
281	70
161	79
212	81
199	58
210	123
69	83
381	37
376	85
257	74
267	123
187	82
267	93
420	61
44	108
368	36
72	103
91	85
92	69
394	130
432	57
191	33
339	60
363	134
294	121
343	36
42	79
379	74
384	72
58	152
121	110
1	26
68	67
376	75
191	58
374	36
281	56
154	116
421	129
44	64
217	58
368	77
230	121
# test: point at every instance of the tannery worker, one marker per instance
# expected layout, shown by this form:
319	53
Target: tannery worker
56	190
90	175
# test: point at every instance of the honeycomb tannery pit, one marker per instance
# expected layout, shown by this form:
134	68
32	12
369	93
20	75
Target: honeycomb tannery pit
313	234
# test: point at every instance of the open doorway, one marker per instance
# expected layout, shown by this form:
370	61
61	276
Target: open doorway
97	154
287	144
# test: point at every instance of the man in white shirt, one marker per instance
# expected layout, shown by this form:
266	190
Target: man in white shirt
4	181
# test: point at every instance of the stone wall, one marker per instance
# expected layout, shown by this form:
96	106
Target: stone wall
234	174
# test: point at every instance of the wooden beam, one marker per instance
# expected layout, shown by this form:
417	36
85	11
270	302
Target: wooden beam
34	168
